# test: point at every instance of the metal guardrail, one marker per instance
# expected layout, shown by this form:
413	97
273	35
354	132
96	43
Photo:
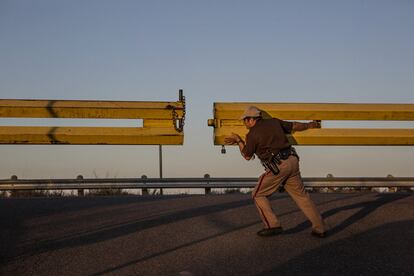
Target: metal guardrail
203	183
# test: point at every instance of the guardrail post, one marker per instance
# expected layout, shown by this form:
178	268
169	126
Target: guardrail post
391	188
81	192
13	178
207	189
160	160
144	190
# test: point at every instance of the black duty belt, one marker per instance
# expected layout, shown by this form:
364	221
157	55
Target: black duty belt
273	163
275	159
285	153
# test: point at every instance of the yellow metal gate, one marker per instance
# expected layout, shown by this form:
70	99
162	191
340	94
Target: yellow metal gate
226	120
163	122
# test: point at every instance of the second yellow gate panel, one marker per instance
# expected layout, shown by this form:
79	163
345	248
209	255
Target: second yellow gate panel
227	120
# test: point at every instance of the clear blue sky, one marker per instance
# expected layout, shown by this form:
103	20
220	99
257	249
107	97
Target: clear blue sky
259	51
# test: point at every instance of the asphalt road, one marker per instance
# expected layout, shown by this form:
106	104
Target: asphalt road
370	234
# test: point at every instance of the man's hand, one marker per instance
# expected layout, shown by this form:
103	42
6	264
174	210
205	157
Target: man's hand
232	139
314	124
236	139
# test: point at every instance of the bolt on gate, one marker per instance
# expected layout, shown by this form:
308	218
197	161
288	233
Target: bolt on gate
226	120
163	122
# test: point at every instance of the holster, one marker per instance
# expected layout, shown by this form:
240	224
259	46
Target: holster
272	163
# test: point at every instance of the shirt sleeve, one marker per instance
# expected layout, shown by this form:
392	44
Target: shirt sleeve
287	126
250	146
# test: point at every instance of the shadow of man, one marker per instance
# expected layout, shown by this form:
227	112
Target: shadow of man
365	208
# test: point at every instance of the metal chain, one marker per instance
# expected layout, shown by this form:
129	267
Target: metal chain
175	117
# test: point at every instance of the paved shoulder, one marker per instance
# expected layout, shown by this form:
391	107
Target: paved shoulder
204	235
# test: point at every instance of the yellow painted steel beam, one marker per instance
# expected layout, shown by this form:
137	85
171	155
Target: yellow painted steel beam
355	136
158	123
89	109
316	111
90	135
226	120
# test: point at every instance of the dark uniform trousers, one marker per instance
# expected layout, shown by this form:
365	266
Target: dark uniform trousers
269	183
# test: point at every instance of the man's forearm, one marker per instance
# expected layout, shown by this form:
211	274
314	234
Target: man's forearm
297	126
241	145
